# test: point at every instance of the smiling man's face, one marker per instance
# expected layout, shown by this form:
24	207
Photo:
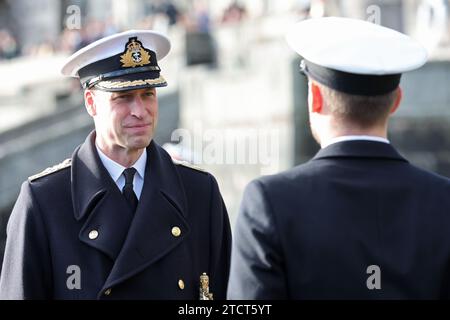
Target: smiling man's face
125	120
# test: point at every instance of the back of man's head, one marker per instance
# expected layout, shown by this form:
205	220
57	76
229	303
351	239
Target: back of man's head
358	110
355	68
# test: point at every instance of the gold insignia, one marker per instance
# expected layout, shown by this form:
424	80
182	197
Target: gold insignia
135	54
204	293
66	163
134	83
187	164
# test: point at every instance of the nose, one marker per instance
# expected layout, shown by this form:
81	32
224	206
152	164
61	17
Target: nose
137	107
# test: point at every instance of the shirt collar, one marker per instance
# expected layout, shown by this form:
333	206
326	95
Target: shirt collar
140	164
115	169
355	138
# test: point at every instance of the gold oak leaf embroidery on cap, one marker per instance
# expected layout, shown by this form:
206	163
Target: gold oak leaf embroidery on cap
135	54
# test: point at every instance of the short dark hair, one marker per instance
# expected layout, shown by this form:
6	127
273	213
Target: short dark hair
361	111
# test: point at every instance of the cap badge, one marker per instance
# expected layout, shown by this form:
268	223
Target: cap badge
135	54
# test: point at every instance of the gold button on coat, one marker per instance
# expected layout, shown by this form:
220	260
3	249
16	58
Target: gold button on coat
181	284
176	232
93	234
108	292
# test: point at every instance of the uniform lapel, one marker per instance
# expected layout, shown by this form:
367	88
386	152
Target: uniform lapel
98	202
162	206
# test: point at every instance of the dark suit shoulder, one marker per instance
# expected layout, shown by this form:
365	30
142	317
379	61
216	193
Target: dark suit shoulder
305	171
51	170
322	170
429	176
188	166
198	181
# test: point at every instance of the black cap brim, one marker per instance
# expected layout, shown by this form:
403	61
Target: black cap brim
355	84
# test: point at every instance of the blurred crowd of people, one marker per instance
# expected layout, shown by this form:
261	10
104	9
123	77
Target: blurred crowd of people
235	12
8	45
162	17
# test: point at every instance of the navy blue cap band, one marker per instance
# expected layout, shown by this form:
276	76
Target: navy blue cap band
351	83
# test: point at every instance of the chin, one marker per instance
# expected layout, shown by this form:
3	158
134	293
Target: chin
140	143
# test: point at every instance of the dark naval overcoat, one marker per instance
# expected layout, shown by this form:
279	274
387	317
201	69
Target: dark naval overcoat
358	221
71	234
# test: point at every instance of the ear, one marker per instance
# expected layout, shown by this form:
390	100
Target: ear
89	102
316	99
398	99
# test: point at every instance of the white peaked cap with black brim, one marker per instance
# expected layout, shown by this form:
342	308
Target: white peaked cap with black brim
123	61
354	56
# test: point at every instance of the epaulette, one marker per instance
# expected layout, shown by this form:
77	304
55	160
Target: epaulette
66	163
187	165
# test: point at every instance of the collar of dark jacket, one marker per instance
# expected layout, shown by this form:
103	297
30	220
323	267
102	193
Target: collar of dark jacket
359	149
91	181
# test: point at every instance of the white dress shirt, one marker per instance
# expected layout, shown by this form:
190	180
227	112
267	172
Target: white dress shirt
115	170
354	138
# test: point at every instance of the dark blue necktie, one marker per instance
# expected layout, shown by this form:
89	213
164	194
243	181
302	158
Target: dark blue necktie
128	191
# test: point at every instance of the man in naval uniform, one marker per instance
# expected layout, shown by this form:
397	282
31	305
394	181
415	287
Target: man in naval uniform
358	221
120	219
